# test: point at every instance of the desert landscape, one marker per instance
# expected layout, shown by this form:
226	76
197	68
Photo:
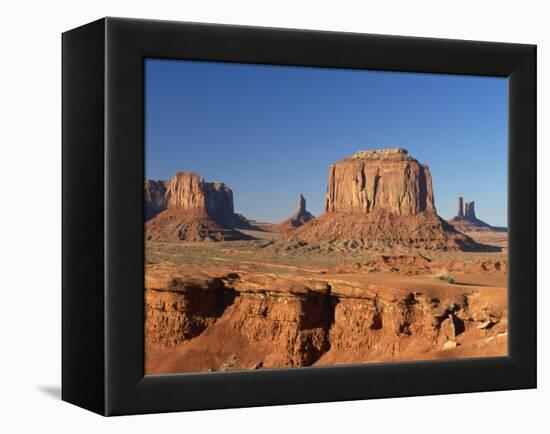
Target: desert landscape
379	276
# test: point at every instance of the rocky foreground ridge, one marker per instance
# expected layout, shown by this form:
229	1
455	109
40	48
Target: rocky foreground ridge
222	320
380	198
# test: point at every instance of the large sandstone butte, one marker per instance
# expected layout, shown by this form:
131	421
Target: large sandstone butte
299	218
387	179
466	220
382	198
191	210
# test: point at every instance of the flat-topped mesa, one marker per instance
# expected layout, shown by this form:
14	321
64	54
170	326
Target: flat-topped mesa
378	154
385	179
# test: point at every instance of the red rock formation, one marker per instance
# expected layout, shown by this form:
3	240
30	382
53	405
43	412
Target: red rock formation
299	218
460	210
340	232
198	322
185	191
196	210
470	210
219	199
176	224
468	222
388	179
188	192
379	199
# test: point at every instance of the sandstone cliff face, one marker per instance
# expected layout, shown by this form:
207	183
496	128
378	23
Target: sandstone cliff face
187	191
387	180
251	320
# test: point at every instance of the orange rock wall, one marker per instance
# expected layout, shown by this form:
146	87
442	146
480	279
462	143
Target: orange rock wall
307	325
368	182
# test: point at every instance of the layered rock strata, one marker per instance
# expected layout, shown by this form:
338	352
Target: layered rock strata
250	320
388	180
187	191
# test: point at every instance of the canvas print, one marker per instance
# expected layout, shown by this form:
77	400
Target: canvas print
299	216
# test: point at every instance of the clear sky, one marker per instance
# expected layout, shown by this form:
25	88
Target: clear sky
271	132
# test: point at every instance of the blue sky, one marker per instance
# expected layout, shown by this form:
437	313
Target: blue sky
271	132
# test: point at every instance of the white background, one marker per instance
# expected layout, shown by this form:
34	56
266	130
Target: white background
30	217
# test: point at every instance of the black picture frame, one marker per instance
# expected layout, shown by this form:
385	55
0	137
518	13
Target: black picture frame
103	218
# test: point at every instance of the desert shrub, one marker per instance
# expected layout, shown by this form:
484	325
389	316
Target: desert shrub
445	275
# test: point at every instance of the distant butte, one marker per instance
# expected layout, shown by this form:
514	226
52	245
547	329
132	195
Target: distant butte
189	209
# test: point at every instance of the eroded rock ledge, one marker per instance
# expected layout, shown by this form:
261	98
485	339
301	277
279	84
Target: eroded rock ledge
219	321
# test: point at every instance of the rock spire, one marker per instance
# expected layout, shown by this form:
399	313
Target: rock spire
470	211
460	210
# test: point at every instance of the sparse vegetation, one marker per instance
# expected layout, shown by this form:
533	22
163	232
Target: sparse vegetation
445	275
229	364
